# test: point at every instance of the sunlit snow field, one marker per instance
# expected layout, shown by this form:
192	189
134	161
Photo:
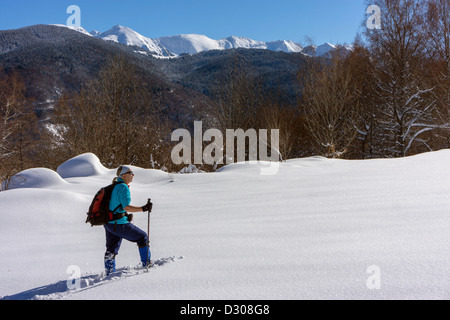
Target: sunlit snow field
317	229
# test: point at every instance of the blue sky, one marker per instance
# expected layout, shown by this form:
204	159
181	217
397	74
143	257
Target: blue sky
335	21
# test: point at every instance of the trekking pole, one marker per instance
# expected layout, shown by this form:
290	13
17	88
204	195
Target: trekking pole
148	233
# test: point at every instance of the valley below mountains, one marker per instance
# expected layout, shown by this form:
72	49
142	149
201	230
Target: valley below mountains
55	60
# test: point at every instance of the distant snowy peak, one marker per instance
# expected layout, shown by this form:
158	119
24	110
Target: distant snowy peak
234	42
284	45
173	46
188	43
130	37
195	43
326	49
79	29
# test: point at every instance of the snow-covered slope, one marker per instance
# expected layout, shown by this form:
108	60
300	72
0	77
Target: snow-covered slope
188	43
323	50
234	42
79	29
284	45
130	37
194	43
318	229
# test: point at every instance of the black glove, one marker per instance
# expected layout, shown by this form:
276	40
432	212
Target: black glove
148	207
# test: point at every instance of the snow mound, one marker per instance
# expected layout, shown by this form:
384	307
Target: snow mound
252	168
85	165
36	178
191	169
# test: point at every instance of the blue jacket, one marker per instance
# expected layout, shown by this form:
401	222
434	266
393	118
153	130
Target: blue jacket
120	197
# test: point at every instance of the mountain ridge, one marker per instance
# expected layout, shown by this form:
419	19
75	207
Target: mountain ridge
177	45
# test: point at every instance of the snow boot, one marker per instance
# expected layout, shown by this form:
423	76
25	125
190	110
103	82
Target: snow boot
144	258
110	263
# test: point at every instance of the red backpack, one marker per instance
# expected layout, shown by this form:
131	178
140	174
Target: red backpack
99	213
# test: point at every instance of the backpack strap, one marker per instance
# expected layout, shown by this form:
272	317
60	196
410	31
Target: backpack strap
117	216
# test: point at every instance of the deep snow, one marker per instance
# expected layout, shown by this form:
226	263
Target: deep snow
311	231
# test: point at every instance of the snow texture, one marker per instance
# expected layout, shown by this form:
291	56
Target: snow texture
315	230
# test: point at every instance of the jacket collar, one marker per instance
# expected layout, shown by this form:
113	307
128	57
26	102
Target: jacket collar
120	180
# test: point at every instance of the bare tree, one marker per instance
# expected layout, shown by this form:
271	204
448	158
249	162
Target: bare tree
287	121
407	105
113	116
18	127
331	106
238	97
438	32
359	63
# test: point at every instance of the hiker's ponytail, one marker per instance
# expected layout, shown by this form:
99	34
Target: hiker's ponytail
119	170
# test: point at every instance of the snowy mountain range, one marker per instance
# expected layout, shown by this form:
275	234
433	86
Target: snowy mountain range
173	46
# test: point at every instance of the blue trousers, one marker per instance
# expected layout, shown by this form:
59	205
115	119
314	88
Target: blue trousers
116	232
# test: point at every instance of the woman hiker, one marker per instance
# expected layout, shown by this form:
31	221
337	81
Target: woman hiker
122	228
